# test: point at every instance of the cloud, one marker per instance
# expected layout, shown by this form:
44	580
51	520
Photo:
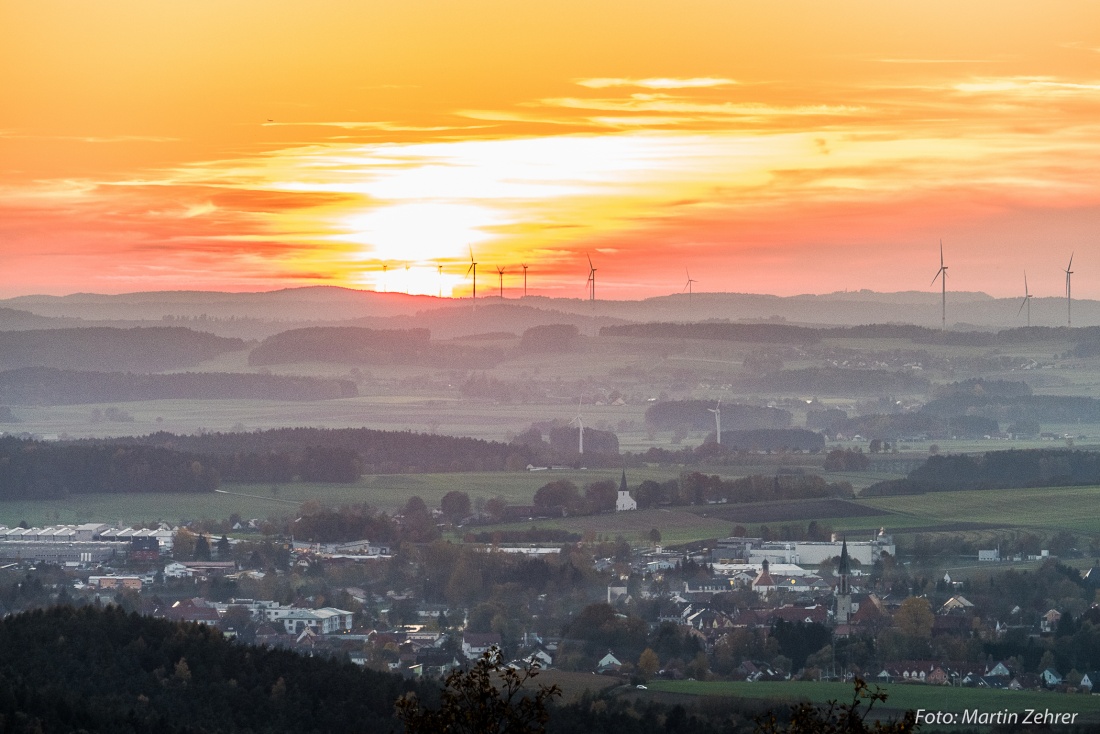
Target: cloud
657	83
1027	86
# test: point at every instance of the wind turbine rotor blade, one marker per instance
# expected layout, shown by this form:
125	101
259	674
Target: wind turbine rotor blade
1022	304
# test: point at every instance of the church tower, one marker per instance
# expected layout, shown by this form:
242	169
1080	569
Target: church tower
844	588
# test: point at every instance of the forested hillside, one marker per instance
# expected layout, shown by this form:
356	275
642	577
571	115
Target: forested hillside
105	671
51	386
149	349
996	470
35	470
356	345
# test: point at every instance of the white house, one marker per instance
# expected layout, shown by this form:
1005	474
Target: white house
476	644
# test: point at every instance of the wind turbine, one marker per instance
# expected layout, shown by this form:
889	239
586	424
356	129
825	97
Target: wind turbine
407	289
1026	301
687	286
500	272
1069	292
591	279
440	280
524	280
473	269
717	410
580	432
942	275
385	270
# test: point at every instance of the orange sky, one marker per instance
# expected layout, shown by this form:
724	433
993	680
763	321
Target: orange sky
784	147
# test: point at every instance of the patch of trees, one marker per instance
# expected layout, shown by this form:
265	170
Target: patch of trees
996	470
760	333
549	339
729	453
565	441
696	488
357	345
971	426
52	386
1045	408
482	386
774	439
377	452
146	349
891	425
351	344
35	470
798	640
846	460
825	419
980	387
838	381
696	415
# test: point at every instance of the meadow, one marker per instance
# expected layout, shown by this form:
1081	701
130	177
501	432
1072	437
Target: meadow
901	697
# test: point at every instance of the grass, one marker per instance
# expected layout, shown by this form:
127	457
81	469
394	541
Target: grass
676	526
901	696
1052	508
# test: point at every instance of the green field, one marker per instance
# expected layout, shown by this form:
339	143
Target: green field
901	697
1052	508
677	526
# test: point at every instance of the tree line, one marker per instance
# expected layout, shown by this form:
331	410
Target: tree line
1010	469
35	470
52	386
697	415
145	349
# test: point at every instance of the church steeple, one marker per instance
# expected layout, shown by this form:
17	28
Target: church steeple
844	569
844	588
622	484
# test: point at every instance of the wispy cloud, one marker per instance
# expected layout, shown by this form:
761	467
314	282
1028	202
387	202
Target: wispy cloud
936	61
1028	86
657	82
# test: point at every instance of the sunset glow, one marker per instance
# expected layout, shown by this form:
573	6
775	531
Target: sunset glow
783	148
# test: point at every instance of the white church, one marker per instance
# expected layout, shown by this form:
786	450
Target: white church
625	501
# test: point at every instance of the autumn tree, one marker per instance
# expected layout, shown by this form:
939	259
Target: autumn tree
489	698
455	506
914	618
648	663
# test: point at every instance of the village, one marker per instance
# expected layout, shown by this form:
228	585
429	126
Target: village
737	608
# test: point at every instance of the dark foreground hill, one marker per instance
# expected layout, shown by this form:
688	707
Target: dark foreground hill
102	670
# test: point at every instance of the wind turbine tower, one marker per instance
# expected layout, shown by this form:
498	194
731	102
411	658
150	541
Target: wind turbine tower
524	280
500	272
473	269
1026	301
942	275
687	287
440	280
1069	292
717	410
591	280
580	433
385	270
